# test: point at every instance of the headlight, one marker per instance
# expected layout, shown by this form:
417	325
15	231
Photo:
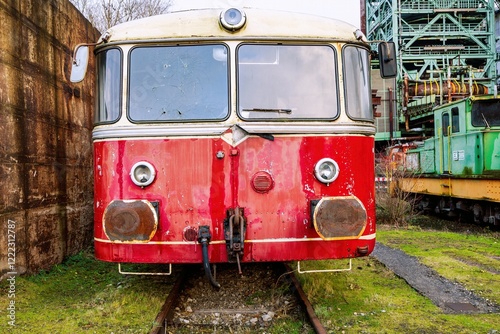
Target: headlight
326	170
233	19
142	173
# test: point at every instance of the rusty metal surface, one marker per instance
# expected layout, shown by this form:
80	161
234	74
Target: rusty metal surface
340	217
279	226
130	221
167	308
313	318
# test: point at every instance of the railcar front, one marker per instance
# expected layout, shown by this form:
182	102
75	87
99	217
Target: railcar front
233	136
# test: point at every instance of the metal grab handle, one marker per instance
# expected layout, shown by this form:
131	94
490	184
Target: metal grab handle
236	219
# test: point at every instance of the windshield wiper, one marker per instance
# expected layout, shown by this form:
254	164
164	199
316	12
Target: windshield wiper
277	110
267	136
485	121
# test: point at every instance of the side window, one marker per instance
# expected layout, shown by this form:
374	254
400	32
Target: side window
455	120
446	123
357	87
484	113
109	80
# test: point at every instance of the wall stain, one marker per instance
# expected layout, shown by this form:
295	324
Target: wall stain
46	122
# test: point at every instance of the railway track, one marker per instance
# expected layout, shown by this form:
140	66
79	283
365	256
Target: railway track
265	295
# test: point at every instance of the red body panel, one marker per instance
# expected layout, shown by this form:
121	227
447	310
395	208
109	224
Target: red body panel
195	187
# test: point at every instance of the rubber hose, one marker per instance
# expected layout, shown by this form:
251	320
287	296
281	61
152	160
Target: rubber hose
206	264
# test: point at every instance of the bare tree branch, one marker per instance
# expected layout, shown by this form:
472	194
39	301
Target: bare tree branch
104	14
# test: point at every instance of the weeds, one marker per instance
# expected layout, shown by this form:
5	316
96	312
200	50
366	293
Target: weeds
394	206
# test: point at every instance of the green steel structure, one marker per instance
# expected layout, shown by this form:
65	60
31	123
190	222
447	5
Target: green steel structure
444	47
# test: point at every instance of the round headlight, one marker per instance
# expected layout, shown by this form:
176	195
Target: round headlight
326	170
142	173
233	19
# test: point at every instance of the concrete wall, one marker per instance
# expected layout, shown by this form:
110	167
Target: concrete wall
46	185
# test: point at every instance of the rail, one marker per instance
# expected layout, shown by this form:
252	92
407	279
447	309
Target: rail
442	4
209	307
168	307
470	28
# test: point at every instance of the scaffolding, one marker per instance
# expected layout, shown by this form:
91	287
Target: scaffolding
434	36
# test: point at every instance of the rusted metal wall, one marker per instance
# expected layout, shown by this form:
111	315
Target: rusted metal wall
46	186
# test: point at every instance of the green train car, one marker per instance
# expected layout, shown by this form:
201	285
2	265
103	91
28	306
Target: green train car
458	170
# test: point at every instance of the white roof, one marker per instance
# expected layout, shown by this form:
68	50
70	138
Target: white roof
204	23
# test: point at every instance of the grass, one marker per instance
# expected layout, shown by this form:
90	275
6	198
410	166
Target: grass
371	299
83	295
468	258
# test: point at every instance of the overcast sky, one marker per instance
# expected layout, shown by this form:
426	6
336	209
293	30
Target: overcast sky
346	10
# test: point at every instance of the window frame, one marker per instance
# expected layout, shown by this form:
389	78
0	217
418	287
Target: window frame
177	45
100	95
445	123
349	94
488	109
455	120
336	109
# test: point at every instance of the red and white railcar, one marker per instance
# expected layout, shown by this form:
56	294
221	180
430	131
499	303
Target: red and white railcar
233	136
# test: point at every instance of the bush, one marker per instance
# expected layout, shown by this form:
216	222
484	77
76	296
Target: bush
394	206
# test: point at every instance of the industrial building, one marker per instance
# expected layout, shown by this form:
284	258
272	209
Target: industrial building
446	50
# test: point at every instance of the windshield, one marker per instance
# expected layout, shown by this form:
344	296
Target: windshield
485	113
357	83
287	82
178	83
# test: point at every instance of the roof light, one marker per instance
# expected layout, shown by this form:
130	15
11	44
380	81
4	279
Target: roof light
233	19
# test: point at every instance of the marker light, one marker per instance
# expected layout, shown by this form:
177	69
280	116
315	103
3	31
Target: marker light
233	19
142	173
262	182
326	170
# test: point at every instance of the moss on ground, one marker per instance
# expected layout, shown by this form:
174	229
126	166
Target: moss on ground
83	295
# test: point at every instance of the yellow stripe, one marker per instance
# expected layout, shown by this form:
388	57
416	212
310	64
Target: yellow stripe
473	189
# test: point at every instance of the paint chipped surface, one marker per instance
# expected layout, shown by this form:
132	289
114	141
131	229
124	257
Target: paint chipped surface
195	186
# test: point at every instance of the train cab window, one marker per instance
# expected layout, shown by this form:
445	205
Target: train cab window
357	86
446	123
455	120
109	86
178	83
287	82
484	113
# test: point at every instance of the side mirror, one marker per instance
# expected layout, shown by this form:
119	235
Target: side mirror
387	60
80	62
